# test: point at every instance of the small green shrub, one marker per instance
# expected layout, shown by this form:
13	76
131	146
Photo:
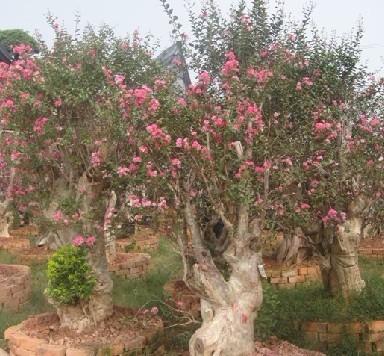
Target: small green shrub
70	277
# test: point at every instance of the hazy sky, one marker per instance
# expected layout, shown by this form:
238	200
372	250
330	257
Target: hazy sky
147	16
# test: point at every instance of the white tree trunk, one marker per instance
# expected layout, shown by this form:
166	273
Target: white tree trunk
100	304
4	220
342	274
228	308
109	236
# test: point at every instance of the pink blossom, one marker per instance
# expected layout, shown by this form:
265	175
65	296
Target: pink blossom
181	102
176	163
137	159
96	159
179	142
78	241
204	78
143	149
375	122
58	103
231	66
154	105
219	122
90	241
154	310
122	171
119	79
39	125
58	216
304	206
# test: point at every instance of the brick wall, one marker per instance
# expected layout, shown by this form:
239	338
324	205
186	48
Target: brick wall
15	286
130	265
182	297
371	252
291	277
14	244
369	336
21	344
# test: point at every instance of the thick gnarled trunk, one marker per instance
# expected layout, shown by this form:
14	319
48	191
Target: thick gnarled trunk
229	307
4	220
100	305
228	327
341	273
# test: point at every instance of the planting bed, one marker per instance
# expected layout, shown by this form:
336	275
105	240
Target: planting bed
40	335
15	286
368	336
130	265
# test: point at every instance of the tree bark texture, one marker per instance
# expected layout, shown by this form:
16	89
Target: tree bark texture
228	307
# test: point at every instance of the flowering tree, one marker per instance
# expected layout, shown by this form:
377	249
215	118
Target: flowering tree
328	103
272	135
54	108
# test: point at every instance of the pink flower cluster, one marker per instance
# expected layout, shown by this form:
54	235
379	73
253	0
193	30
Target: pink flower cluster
80	240
39	125
158	134
137	202
231	66
96	159
261	76
333	216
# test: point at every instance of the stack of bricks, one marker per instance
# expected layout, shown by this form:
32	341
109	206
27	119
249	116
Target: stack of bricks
130	265
145	239
21	344
292	277
371	252
183	297
369	336
12	244
15	286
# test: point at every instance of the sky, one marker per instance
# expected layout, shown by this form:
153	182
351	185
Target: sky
147	16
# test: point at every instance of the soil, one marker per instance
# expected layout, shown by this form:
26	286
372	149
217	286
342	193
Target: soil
124	323
276	347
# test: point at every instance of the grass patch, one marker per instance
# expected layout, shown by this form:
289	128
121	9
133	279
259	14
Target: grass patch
282	308
135	293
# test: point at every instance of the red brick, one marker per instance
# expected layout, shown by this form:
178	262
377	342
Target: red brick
315	326
376	326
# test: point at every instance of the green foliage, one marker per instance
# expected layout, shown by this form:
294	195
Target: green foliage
13	37
70	277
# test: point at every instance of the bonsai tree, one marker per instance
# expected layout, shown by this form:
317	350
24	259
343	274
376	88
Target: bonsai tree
264	139
56	108
322	93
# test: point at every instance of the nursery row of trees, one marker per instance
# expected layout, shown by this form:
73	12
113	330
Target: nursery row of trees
281	131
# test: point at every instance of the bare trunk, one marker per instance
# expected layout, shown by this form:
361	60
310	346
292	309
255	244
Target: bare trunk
109	236
228	328
228	308
100	305
4	220
5	215
341	274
